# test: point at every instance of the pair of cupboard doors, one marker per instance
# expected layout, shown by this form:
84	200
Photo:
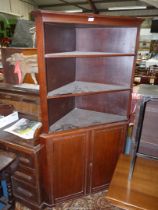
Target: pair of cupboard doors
82	161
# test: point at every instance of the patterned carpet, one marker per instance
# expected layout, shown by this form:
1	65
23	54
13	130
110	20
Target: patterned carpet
91	202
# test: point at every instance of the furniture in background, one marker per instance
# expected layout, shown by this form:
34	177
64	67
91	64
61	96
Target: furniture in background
141	192
26	178
146	75
134	184
148	142
145	127
21	55
1	68
6	159
24	100
86	65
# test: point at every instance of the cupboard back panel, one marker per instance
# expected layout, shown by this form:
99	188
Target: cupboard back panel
110	70
106	39
114	103
60	71
68	38
57	108
59	39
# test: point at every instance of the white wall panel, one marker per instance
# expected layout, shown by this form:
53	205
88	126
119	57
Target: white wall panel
4	5
18	7
145	34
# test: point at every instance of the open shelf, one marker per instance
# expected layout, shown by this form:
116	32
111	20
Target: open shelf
84	88
78	118
80	54
85	67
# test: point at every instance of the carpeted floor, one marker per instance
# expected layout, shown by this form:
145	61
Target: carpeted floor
91	202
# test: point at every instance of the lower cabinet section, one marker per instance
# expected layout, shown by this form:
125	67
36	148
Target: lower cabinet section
66	164
81	161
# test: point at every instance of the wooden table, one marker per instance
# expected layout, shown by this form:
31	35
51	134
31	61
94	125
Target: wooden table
141	192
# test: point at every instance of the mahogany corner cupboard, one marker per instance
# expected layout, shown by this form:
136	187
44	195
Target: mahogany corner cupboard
86	65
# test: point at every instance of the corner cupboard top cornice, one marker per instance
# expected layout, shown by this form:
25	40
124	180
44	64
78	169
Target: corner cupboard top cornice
86	18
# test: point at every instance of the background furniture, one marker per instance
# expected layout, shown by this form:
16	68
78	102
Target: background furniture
26	179
141	192
8	68
25	101
86	65
148	142
139	127
6	159
134	183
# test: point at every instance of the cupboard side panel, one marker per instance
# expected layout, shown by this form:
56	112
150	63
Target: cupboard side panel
59	38
42	73
57	108
60	71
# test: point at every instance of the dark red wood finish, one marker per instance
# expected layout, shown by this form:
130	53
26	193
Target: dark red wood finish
57	75
107	144
59	32
80	161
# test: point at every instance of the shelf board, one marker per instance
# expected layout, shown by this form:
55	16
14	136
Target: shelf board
79	118
78	88
79	54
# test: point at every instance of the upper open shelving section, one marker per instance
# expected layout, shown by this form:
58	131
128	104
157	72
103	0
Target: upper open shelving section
78	76
86	64
82	41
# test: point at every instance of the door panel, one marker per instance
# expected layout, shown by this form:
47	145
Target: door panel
69	165
107	143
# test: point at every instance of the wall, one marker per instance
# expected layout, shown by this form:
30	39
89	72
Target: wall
147	39
20	8
145	34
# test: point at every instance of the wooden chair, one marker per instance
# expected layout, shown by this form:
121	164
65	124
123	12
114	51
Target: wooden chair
6	159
